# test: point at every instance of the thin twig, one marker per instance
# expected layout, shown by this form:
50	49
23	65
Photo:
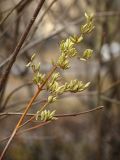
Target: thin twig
26	122
79	20
4	78
28	129
19	45
57	116
26	110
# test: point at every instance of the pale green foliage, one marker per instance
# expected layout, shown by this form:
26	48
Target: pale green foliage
67	51
89	26
53	85
67	47
56	89
38	77
76	39
54	77
30	64
75	86
46	115
87	54
51	99
72	86
63	62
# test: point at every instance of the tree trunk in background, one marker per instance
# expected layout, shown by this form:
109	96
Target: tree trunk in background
108	147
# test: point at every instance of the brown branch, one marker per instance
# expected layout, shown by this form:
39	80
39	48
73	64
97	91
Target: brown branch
28	129
18	124
79	113
26	110
77	21
58	115
44	123
19	45
26	122
4	78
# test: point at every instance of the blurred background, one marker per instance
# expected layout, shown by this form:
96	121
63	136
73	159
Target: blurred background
94	136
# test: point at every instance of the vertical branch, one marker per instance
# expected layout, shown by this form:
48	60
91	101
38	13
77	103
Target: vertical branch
25	112
19	45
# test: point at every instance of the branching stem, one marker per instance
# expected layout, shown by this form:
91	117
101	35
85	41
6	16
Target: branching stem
26	110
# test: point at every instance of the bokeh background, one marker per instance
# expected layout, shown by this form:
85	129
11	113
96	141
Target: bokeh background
94	136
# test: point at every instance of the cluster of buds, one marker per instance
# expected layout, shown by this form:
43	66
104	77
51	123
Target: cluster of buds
68	50
89	26
76	86
87	54
76	39
46	115
52	98
67	47
53	85
73	86
38	77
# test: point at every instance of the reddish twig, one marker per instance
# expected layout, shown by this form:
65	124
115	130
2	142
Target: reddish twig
5	76
28	129
26	110
57	116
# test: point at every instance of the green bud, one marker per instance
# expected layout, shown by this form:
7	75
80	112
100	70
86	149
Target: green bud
52	99
87	54
45	115
89	26
28	65
76	39
33	57
38	78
